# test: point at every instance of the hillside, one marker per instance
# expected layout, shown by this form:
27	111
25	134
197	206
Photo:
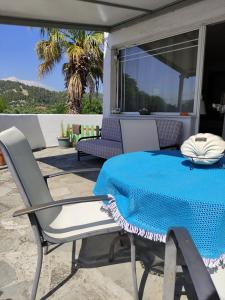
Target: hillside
22	98
19	98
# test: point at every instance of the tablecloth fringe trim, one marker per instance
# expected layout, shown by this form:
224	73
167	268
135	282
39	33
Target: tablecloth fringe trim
113	211
215	262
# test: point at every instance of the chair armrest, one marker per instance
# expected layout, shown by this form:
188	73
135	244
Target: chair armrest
35	208
77	171
89	137
179	242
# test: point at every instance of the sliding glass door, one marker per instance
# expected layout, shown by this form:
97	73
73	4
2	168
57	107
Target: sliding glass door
160	75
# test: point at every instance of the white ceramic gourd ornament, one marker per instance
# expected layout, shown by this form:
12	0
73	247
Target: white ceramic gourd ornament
203	148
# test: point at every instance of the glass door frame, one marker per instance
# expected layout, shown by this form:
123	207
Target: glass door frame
199	76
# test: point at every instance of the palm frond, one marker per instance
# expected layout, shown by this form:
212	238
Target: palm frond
75	52
50	53
46	31
45	68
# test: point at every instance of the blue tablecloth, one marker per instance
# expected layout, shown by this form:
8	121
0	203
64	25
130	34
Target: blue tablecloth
154	191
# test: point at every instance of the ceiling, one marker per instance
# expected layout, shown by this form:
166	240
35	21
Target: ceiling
108	15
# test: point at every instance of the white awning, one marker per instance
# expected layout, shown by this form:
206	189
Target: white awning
99	15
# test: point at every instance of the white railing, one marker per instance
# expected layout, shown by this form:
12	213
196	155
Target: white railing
42	130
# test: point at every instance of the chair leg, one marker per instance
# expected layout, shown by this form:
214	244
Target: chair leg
133	266
74	265
37	272
143	282
112	248
78	155
46	250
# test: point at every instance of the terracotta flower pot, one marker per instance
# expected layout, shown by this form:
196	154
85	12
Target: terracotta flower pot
2	160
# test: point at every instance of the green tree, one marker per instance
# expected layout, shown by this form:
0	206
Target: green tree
91	107
84	67
3	104
60	108
139	99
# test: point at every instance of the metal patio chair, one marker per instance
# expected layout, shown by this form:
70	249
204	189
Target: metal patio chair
179	262
181	251
53	222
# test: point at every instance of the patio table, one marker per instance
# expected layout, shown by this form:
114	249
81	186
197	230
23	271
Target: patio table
153	191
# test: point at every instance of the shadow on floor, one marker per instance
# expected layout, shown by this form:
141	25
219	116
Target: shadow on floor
95	252
69	162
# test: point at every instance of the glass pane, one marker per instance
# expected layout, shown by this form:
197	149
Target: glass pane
160	75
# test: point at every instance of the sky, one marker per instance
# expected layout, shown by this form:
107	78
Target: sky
18	58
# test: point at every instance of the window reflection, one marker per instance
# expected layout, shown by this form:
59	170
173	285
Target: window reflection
160	75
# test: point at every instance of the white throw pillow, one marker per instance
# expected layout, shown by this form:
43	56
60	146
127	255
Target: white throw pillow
203	148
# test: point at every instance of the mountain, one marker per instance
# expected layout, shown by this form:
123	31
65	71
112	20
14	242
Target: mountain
28	82
19	97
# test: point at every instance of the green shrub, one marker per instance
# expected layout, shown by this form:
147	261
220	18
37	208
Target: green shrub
3	104
93	106
60	108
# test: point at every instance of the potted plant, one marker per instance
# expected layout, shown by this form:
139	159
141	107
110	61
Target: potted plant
144	111
64	138
116	111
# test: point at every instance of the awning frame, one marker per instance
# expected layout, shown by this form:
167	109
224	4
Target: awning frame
147	14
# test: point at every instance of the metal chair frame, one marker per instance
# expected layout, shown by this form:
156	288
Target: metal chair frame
9	140
42	241
181	250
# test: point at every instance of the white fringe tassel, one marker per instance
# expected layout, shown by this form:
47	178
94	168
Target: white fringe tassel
113	211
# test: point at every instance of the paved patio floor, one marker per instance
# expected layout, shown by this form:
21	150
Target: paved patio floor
18	251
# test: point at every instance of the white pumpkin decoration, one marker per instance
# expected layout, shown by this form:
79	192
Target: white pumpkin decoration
203	148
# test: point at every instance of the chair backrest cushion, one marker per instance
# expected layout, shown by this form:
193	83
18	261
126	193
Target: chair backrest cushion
169	132
26	173
111	129
139	135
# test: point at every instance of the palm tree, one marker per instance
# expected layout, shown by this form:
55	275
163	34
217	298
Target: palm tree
84	68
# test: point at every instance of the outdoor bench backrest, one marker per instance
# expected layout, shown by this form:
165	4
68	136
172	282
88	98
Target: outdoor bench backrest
169	131
26	173
111	129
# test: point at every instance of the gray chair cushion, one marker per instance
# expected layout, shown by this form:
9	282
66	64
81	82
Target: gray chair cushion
111	129
139	136
100	147
169	132
80	220
26	173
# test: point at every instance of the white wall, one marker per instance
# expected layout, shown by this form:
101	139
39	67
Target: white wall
42	130
182	20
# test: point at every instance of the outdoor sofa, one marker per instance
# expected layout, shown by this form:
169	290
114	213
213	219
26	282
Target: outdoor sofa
109	143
